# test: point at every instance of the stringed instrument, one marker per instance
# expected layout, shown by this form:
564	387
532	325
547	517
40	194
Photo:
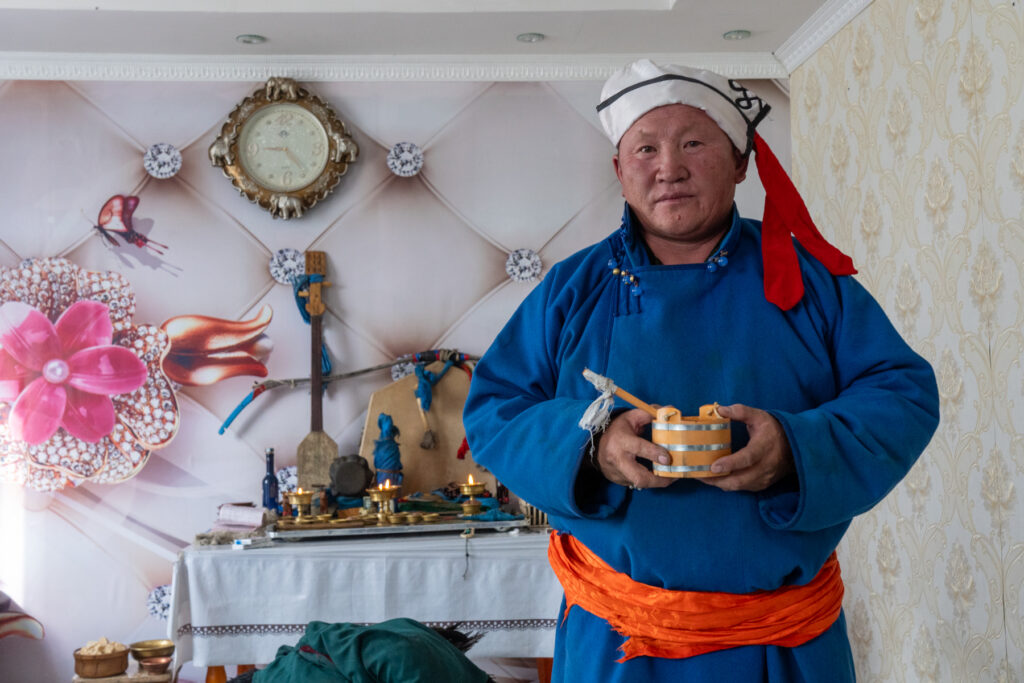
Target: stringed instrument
317	451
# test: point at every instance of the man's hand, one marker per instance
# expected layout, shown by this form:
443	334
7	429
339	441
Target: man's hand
765	459
620	447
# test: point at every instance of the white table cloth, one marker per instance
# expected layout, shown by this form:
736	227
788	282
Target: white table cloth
232	606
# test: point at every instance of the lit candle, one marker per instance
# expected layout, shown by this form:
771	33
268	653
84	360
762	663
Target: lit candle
471	488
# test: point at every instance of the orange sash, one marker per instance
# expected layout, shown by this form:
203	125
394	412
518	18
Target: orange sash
677	624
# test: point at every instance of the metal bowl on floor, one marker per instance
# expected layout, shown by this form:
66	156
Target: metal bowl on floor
155	665
145	649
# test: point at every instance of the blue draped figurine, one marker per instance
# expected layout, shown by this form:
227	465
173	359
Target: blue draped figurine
387	459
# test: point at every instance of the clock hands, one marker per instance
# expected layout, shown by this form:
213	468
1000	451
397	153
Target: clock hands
294	158
290	155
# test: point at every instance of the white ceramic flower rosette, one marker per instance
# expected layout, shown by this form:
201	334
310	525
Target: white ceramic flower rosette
405	159
162	161
523	265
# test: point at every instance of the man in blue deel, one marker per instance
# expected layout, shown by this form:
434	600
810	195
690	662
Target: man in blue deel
726	578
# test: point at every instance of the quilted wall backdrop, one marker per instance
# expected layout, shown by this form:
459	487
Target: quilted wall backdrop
908	137
417	263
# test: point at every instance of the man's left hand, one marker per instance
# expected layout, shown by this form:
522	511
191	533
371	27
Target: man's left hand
765	459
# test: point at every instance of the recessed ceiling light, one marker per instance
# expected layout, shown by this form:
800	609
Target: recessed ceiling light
737	34
530	37
251	38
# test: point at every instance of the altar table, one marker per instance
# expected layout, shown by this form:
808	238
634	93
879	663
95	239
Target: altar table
232	606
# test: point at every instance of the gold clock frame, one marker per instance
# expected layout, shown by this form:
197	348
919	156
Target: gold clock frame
342	152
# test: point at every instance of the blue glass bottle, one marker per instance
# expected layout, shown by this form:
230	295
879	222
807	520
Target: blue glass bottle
270	483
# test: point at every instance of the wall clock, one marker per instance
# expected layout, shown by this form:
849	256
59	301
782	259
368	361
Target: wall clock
283	148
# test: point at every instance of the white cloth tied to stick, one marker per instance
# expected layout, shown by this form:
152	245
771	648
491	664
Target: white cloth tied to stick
597	415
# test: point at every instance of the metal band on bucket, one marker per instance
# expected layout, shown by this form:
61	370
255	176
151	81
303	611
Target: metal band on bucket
694	446
687	427
682	468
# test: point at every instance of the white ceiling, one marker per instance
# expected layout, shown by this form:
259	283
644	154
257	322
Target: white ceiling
54	38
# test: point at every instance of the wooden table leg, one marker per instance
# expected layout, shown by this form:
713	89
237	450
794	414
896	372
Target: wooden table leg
544	669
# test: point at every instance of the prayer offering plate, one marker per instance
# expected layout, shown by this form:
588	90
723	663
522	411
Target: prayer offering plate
343	522
371	528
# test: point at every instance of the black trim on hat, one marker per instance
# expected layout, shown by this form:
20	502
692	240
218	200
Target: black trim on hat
751	124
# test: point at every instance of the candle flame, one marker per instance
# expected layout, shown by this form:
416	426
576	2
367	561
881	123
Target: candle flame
387	484
471	479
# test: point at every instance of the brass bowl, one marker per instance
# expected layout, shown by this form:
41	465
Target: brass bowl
296	498
155	665
145	649
379	495
472	507
101	666
474	489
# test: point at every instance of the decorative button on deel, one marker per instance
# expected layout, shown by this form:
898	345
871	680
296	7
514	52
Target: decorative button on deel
717	261
626	277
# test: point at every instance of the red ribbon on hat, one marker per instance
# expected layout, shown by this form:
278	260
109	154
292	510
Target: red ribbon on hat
785	213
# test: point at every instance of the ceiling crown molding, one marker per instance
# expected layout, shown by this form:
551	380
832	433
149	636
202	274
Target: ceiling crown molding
122	67
347	7
818	30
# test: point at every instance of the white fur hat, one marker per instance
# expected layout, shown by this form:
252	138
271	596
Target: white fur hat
637	88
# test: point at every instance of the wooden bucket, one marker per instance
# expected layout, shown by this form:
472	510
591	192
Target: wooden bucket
694	442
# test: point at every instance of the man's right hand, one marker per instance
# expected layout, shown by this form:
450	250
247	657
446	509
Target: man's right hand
619	448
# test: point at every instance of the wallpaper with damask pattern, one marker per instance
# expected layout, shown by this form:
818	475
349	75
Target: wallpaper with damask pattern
908	144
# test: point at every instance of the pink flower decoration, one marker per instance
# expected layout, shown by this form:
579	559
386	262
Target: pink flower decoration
63	375
145	419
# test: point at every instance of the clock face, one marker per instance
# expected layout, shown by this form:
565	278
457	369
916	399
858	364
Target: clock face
283	147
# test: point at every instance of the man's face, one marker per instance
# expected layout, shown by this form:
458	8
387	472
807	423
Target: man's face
679	171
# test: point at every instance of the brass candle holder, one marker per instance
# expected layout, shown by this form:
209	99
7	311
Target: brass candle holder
384	496
300	500
471	488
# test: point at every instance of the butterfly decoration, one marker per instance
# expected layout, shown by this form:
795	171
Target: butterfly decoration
116	217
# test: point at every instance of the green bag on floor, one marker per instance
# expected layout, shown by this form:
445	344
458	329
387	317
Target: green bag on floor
394	651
